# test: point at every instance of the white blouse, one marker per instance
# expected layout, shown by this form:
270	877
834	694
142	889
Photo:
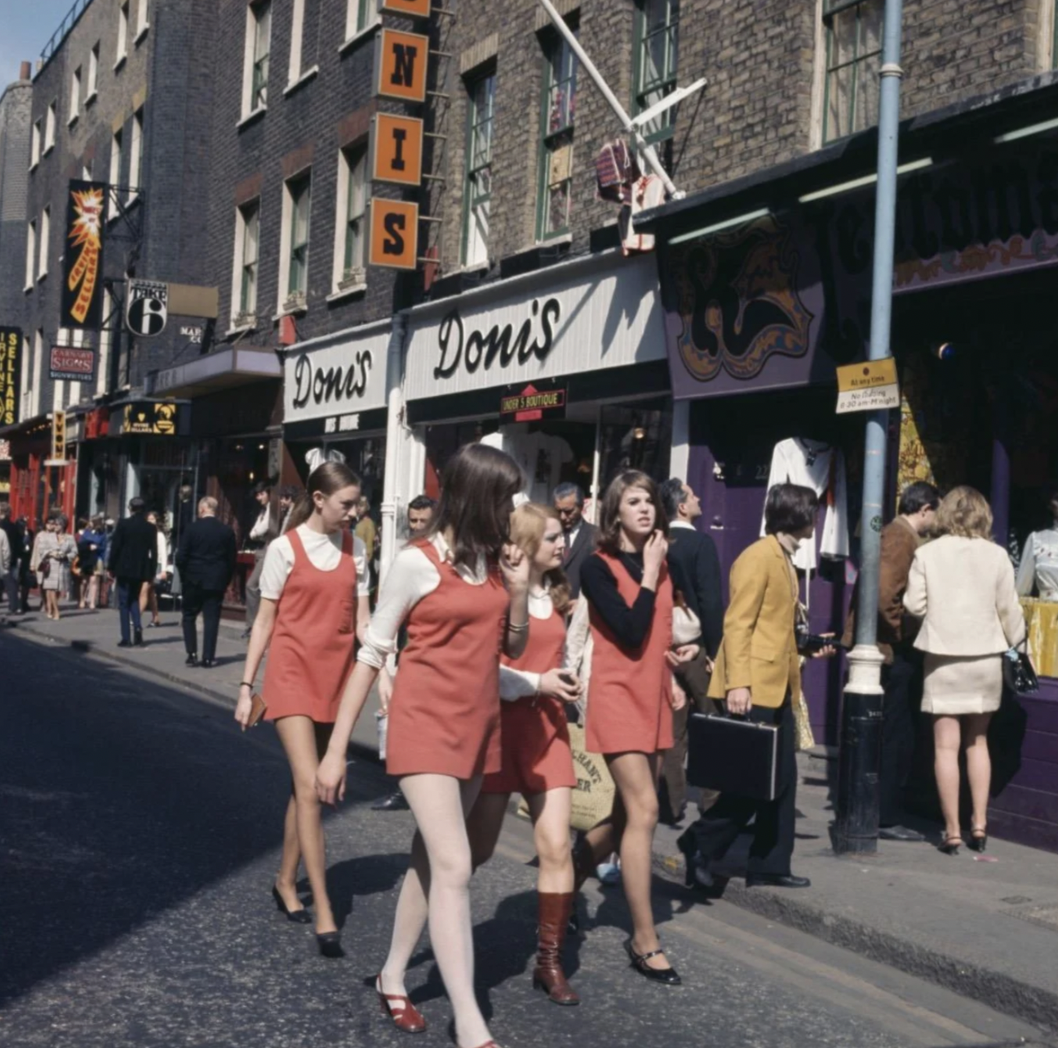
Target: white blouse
1039	565
325	553
411	577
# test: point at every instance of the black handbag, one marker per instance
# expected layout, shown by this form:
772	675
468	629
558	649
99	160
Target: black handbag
1018	673
739	757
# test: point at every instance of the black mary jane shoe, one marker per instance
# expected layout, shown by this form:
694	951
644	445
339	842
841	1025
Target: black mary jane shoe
330	944
301	916
664	976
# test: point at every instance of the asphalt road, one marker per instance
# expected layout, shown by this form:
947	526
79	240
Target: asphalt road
139	833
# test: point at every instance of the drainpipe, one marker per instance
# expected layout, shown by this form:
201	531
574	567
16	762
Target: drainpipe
859	754
394	425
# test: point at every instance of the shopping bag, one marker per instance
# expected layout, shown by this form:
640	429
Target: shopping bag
594	796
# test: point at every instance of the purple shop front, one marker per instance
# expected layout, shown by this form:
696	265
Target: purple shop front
757	319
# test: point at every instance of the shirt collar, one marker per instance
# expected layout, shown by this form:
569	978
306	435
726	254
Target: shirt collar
682	524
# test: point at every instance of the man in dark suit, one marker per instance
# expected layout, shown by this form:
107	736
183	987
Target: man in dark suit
206	561
694	567
580	535
133	560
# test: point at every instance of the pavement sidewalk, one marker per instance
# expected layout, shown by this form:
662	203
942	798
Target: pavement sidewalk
985	927
163	654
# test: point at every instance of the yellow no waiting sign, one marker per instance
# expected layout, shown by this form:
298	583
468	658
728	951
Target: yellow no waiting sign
871	386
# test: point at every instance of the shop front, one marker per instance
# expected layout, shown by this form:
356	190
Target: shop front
564	369
758	317
42	469
334	401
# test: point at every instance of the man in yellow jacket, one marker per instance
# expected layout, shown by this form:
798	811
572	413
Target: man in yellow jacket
757	675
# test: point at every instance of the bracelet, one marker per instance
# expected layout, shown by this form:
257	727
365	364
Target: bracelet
246	684
518	629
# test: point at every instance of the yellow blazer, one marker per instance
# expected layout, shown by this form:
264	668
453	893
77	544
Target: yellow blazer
759	650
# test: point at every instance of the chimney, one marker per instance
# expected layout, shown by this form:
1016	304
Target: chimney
23	73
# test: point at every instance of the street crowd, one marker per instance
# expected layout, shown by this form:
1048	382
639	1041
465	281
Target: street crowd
502	620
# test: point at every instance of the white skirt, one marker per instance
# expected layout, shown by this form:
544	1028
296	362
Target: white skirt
957	684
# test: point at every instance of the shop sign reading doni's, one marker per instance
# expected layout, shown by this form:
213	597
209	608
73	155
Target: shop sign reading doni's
499	344
331	386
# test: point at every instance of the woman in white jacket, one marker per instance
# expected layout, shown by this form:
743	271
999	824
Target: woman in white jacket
962	587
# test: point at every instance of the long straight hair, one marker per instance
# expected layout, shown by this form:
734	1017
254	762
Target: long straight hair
528	523
326	479
478	486
609	535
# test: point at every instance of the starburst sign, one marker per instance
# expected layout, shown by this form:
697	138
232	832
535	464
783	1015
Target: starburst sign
86	235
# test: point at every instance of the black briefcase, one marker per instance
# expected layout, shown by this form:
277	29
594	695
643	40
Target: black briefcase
739	757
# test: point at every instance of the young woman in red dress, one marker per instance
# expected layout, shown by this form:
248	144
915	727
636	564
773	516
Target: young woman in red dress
462	593
537	759
630	697
314	600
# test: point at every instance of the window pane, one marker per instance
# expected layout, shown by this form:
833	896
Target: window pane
854	41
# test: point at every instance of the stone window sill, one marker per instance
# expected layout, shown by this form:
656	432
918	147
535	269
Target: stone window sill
347	292
141	34
309	74
120	62
356	38
251	117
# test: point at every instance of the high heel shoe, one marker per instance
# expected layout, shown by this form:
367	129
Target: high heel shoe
665	976
406	1017
301	916
330	944
978	839
950	845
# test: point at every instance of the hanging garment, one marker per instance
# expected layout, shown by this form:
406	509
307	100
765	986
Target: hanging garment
647	192
820	467
615	172
1039	565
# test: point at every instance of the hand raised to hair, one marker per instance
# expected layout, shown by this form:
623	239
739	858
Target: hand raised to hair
515	567
655	552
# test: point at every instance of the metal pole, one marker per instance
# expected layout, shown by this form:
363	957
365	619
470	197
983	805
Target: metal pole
856	831
648	151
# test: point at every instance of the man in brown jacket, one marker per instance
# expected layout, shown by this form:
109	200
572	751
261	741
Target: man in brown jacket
902	672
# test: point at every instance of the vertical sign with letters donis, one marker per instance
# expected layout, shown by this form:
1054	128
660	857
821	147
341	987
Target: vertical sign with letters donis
82	271
10	374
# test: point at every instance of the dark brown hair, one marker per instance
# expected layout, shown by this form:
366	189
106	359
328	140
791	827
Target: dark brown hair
327	479
528	523
789	508
477	488
609	536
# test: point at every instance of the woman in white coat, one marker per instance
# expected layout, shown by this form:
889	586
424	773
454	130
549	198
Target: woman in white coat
962	587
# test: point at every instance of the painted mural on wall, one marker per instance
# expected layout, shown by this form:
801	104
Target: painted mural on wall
783	301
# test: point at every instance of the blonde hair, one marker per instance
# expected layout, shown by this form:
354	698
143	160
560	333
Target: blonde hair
528	522
965	512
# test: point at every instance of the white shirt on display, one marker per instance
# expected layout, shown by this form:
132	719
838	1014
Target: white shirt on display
1039	565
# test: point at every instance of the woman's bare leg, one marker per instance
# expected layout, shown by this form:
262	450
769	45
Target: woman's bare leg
978	765
550	813
145	596
946	739
440	871
287	878
635	776
298	736
484	825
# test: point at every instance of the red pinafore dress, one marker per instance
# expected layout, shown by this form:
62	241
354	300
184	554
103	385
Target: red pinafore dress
444	716
629	708
536	751
311	652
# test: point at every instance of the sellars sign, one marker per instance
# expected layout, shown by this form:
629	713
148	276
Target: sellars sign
151	417
402	66
397	149
74	363
532	404
393	238
10	374
82	275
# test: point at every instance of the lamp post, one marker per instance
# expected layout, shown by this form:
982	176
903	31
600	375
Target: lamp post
859	755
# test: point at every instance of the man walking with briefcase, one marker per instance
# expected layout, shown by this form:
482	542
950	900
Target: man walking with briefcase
757	674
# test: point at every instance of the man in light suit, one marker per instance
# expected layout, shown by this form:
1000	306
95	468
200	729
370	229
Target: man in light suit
694	567
758	674
579	534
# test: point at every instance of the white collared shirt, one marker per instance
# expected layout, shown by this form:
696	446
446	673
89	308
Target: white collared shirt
682	524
